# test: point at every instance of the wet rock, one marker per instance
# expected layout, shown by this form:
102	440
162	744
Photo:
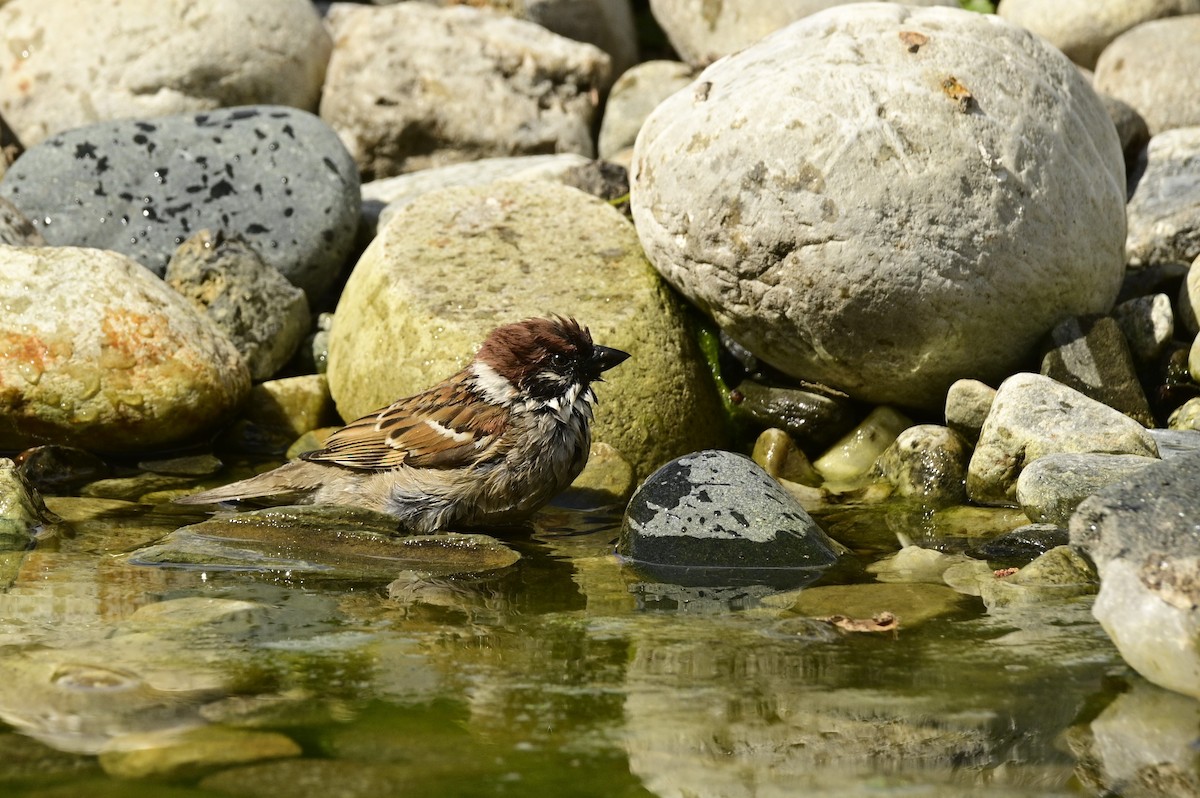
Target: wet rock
1061	573
145	58
913	603
701	34
192	753
264	315
1092	356
1051	487
606	480
1143	743
1083	28
852	456
967	405
197	465
1148	324
637	92
310	778
1033	416
1186	416
60	469
886	278
926	462
814	419
118	362
1174	442
450	258
781	458
914	564
1142	535
291	406
1154	67
1021	545
278	177
386	197
1164	211
411	87
714	517
26	759
15	229
134	488
23	514
322	541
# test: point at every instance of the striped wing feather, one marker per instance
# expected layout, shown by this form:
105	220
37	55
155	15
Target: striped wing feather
445	427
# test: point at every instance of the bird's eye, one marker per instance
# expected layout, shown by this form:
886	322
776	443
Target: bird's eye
559	361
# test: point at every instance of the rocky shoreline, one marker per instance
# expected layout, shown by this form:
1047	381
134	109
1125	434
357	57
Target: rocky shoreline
901	254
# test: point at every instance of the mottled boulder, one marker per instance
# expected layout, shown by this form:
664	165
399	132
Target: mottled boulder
1164	211
264	315
1143	533
716	517
448	269
278	177
1051	487
101	354
1148	324
412	86
928	463
73	63
886	199
1033	416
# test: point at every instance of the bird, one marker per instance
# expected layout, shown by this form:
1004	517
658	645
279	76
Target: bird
488	446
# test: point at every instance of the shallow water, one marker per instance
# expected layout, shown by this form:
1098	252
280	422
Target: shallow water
561	675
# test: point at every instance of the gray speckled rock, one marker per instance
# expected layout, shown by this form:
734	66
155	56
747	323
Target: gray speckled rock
276	176
967	406
1033	416
1148	324
1143	533
926	462
715	514
71	63
1051	487
1155	67
101	354
264	315
1164	211
412	86
878	198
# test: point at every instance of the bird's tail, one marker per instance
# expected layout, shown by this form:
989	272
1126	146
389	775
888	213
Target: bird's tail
291	480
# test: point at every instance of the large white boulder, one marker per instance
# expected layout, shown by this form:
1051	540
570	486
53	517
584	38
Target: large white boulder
886	199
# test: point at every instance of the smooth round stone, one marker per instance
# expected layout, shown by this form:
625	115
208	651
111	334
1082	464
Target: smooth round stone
636	93
70	64
278	177
928	463
715	517
877	198
1155	67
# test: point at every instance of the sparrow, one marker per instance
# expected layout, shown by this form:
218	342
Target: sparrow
488	446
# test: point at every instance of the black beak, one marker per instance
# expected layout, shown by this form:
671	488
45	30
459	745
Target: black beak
604	358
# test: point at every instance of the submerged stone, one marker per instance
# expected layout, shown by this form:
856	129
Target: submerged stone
191	753
714	517
911	603
317	540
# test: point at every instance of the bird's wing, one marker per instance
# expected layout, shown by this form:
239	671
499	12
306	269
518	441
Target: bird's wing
445	427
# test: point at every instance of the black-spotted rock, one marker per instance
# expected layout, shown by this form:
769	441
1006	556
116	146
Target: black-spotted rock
277	176
264	315
715	517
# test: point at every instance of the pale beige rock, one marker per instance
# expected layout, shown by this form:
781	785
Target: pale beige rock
635	94
412	86
1083	28
448	269
1155	67
101	354
68	64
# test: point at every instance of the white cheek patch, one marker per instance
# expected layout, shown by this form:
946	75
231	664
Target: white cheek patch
495	389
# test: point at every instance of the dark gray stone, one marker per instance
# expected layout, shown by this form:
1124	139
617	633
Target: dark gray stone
714	517
15	229
279	177
814	420
1021	545
1092	356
